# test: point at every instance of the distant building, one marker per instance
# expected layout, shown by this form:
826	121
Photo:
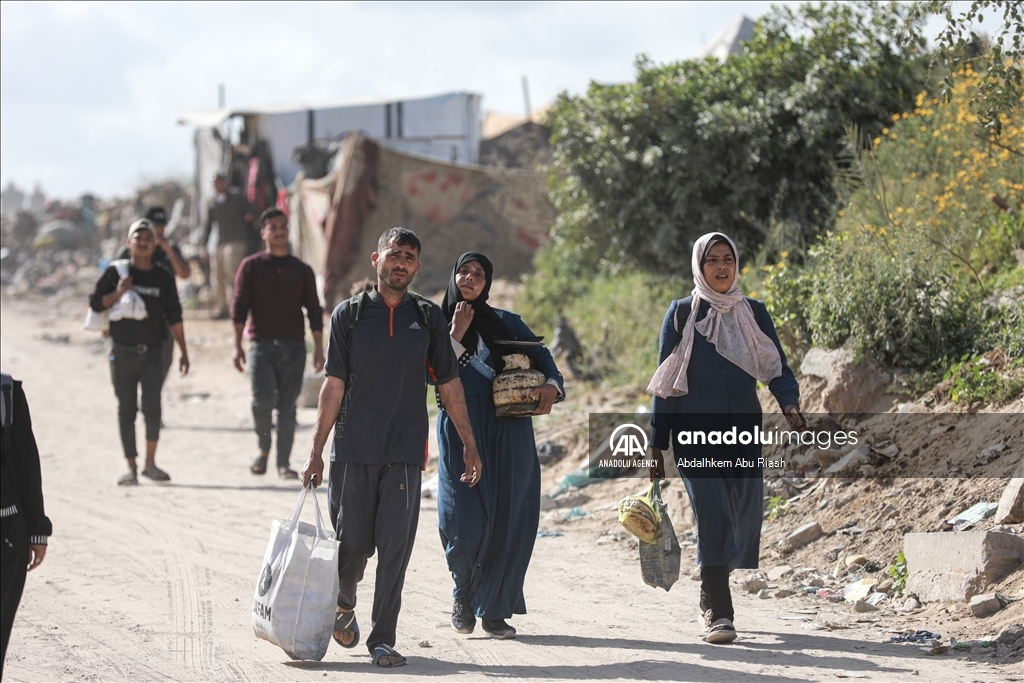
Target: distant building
730	40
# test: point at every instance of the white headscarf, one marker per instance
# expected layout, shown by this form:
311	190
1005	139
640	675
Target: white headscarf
729	325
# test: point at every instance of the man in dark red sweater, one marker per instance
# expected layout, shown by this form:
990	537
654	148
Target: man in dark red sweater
271	289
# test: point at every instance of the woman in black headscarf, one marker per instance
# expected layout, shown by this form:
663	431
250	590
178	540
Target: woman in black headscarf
488	531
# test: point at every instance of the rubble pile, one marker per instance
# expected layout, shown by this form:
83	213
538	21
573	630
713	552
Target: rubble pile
55	248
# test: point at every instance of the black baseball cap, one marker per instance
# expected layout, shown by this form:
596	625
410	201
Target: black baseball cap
157	214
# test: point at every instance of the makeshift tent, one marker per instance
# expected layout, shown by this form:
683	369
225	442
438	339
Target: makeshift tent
445	127
336	220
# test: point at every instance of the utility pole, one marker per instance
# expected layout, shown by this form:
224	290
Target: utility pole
526	98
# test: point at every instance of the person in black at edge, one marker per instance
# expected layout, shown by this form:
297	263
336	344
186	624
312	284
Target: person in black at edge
136	356
168	256
23	521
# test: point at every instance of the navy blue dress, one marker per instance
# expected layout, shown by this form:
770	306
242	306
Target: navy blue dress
488	531
727	504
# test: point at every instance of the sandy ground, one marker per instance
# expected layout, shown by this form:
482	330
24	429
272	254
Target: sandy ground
156	582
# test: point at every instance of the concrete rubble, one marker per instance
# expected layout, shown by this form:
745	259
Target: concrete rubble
1011	504
805	534
953	567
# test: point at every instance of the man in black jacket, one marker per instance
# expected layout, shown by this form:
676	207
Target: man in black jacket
22	518
136	357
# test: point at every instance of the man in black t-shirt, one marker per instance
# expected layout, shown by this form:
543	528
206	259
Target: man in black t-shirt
136	355
168	256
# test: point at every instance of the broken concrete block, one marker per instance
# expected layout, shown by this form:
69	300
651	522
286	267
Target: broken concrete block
1011	504
804	535
754	583
778	572
910	603
1011	634
864	606
985	605
954	567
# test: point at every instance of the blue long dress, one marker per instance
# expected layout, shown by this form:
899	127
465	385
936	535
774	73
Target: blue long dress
727	505
488	531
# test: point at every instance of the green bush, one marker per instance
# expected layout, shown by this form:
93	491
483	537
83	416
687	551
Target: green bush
617	318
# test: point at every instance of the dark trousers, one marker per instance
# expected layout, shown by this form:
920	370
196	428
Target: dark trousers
375	508
714	592
275	371
131	366
167	354
13	565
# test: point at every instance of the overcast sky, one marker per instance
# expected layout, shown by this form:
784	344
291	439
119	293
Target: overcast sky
90	92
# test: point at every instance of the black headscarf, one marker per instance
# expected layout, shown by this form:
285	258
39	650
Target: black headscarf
486	325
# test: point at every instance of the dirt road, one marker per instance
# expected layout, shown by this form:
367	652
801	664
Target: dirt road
156	582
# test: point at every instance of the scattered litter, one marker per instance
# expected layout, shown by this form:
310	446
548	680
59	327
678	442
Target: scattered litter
852	674
919	637
990	453
55	338
542	533
575	513
764	594
876	598
859	590
935	649
851	531
424	643
973	515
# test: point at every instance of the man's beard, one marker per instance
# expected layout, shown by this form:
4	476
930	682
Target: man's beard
387	279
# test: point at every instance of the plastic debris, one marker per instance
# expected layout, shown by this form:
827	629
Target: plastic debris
920	637
548	534
973	515
575	513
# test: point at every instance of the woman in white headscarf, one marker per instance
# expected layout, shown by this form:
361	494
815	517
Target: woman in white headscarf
715	345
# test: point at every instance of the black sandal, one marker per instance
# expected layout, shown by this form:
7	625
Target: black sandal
382	652
345	622
259	464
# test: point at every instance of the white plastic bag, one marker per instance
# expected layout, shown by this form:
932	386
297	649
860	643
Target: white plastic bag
130	306
96	321
297	589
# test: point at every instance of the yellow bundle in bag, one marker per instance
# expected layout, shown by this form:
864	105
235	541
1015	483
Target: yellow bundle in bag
641	515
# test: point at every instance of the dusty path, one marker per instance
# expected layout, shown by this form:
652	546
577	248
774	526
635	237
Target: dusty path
155	582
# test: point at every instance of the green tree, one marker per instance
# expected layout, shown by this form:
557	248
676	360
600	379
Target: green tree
997	57
641	169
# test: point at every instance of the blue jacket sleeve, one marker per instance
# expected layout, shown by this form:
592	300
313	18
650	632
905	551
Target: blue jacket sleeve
784	388
539	356
663	409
